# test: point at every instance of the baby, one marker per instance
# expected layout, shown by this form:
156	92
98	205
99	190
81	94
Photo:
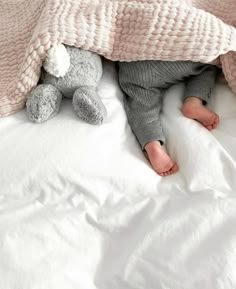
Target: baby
145	82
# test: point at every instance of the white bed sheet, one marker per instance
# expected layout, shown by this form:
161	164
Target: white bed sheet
81	208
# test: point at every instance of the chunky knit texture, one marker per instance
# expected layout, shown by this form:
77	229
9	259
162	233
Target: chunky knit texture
116	29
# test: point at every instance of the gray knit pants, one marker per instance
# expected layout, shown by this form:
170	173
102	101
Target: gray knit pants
145	82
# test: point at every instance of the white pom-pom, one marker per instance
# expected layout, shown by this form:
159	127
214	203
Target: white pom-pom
57	62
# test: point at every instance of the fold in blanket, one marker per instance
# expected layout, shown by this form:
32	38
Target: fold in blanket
116	29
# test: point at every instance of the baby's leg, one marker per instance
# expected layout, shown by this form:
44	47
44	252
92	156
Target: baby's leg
197	94
143	105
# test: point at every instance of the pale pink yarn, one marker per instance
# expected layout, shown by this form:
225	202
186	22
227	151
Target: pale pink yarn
117	29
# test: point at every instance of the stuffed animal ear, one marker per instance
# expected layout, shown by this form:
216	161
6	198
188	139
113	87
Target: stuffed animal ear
57	62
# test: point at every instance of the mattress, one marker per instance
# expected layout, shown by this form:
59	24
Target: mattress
81	207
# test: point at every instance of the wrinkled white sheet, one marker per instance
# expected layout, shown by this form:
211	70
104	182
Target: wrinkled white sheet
81	208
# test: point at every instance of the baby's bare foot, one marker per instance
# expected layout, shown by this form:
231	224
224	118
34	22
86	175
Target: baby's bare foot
194	109
159	159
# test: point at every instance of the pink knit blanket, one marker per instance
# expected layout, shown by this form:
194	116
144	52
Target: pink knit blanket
117	29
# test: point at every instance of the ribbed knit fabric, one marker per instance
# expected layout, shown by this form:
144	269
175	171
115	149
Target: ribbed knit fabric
117	29
145	82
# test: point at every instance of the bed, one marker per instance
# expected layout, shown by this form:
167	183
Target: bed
80	206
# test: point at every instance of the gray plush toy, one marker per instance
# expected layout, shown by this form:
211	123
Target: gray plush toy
68	72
